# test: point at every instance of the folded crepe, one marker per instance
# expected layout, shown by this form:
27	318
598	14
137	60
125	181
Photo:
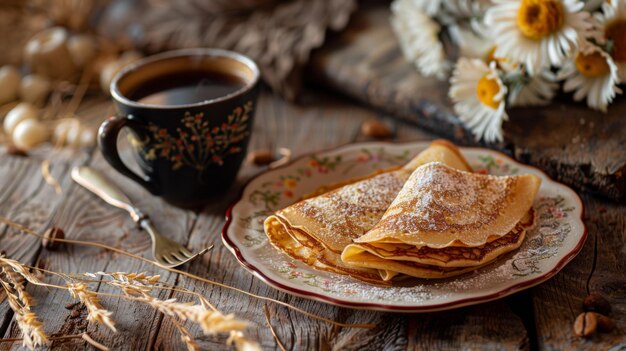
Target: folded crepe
446	222
316	230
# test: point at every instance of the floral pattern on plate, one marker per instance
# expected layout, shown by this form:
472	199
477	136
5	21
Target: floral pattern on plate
556	239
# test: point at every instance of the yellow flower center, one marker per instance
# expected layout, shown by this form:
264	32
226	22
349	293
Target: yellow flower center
537	19
487	89
592	65
616	32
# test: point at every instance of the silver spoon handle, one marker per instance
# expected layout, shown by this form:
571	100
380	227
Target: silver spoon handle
95	182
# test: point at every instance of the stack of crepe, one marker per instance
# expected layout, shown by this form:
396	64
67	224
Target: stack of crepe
432	218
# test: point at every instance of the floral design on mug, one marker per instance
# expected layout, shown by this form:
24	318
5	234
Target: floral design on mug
198	144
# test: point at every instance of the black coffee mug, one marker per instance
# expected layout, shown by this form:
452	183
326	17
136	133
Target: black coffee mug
188	153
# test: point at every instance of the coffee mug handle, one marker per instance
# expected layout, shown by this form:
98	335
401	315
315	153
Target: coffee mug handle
107	139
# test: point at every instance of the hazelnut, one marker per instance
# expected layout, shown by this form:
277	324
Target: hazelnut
375	129
261	157
19	113
49	236
28	134
595	302
588	323
9	83
34	89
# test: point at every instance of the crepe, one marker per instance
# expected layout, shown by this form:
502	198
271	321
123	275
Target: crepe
445	222
316	230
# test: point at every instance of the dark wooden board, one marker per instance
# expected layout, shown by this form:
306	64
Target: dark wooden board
320	123
579	146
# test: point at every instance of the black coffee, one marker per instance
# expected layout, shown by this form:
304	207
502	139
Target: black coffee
186	87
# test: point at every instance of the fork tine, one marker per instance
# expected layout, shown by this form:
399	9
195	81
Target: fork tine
168	259
186	252
178	256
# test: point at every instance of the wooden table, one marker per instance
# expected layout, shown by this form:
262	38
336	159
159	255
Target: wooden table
539	318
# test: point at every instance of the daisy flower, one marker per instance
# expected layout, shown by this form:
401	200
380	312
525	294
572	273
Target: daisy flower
538	33
592	74
479	98
418	37
610	31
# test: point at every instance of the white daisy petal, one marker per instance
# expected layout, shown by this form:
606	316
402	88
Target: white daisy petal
610	26
592	75
482	114
418	35
541	40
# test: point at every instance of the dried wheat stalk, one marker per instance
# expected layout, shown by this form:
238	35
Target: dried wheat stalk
134	286
21	302
186	337
95	311
29	231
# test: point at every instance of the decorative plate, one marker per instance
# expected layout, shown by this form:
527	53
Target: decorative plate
555	241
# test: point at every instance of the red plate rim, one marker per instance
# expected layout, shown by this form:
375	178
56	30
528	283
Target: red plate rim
383	307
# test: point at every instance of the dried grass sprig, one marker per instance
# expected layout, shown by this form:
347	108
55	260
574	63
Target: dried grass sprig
49	178
15	281
266	311
186	336
20	301
19	268
211	322
134	284
93	343
95	311
189	275
138	287
31	328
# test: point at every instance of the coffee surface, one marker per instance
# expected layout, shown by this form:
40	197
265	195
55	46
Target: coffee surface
186	87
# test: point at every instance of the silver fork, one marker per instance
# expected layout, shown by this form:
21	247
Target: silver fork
165	251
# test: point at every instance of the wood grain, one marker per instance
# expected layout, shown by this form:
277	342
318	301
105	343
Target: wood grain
321	122
599	267
576	145
26	198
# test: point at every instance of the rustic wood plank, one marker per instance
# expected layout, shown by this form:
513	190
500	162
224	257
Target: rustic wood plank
26	198
600	266
365	62
86	217
308	129
486	327
83	216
